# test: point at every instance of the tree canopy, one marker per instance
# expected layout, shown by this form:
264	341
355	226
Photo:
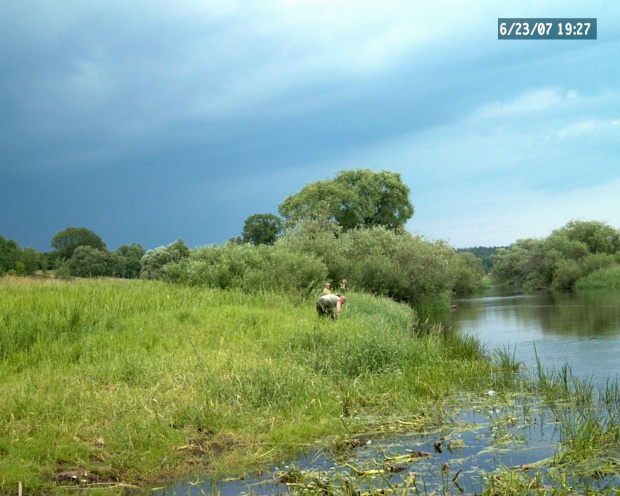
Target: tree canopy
354	198
561	259
65	242
262	229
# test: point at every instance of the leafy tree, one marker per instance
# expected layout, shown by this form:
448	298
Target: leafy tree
528	263
322	239
262	229
10	254
483	253
65	242
30	258
598	236
388	262
87	261
131	251
128	259
154	262
469	272
561	259
354	198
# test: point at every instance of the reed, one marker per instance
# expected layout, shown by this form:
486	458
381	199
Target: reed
109	385
131	382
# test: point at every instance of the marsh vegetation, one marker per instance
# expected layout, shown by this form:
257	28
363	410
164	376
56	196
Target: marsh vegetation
112	385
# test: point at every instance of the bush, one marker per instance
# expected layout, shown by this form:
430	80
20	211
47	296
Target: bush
566	274
87	261
155	261
391	263
469	272
608	278
559	260
251	268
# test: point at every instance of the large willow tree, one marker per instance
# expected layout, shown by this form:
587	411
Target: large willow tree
354	198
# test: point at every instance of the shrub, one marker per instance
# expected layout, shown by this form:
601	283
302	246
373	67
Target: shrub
566	274
87	261
251	268
154	261
607	278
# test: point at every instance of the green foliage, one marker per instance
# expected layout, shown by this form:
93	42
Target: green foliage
322	239
154	262
248	267
127	261
262	229
597	236
391	263
87	261
561	259
484	253
469	272
566	274
405	267
65	242
10	254
354	198
131	251
14	260
31	260
600	279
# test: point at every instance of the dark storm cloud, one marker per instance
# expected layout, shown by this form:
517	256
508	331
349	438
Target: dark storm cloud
149	121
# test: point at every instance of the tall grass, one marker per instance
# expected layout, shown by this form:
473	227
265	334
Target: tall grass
130	382
607	278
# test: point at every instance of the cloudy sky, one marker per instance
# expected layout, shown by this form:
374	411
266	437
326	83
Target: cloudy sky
149	121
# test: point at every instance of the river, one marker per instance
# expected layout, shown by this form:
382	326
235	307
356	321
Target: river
578	329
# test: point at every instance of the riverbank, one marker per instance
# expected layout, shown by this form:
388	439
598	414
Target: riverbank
110	385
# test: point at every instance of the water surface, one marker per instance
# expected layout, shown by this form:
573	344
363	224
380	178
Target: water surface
578	329
581	330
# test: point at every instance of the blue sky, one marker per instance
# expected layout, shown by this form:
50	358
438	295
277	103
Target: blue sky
149	121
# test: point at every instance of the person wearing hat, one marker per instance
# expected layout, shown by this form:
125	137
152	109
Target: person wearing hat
327	289
325	304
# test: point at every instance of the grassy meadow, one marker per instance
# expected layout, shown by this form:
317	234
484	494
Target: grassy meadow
128	383
110	386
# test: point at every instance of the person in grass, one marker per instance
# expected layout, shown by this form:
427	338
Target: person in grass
327	289
325	304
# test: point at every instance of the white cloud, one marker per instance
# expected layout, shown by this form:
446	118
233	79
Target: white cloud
577	129
526	103
498	212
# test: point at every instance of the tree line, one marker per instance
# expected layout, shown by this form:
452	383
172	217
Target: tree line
579	250
78	252
348	227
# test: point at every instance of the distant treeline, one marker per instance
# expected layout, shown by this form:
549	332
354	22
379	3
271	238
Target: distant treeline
79	252
394	263
484	253
580	255
350	227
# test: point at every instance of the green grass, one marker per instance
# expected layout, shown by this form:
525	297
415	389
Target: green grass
134	382
608	278
126	384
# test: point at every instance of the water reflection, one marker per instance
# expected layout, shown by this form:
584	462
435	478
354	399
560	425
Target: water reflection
581	329
475	442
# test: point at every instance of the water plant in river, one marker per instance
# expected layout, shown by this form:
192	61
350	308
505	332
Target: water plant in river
133	382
